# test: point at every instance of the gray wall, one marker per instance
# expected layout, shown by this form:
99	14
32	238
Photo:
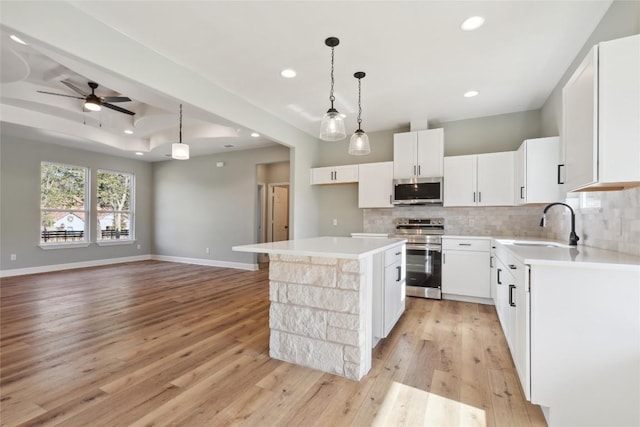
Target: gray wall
198	205
20	203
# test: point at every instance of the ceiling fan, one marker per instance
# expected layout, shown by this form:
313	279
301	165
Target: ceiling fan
93	102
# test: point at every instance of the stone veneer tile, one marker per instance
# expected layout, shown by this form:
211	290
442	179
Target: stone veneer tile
325	356
302	273
273	291
343	336
352	354
303	321
353	370
323	261
350	265
294	258
330	299
344	320
350	281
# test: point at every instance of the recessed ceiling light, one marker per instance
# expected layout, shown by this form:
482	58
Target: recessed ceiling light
288	73
139	153
128	131
255	134
17	39
471	94
472	23
228	146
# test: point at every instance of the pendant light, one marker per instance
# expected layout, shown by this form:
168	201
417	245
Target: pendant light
332	126
359	143
180	151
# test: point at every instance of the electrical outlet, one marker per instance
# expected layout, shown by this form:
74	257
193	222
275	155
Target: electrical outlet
206	250
138	246
13	257
335	221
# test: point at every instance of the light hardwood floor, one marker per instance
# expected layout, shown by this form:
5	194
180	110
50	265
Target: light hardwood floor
158	343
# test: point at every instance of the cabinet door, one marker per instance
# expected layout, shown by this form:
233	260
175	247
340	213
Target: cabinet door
430	153
496	179
521	174
375	185
404	155
393	296
541	170
466	273
345	174
322	175
459	181
579	123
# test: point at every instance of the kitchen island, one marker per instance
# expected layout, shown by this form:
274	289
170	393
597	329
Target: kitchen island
327	299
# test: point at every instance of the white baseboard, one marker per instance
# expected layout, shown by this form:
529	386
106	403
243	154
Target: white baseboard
72	265
209	262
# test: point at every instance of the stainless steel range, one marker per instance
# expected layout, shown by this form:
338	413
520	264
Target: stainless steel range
424	255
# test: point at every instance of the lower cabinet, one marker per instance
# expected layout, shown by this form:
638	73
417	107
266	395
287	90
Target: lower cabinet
466	267
389	291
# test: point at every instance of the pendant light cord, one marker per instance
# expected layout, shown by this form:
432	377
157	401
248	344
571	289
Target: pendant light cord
359	104
180	123
331	97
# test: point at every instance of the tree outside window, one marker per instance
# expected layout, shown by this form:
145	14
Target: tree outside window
114	205
63	196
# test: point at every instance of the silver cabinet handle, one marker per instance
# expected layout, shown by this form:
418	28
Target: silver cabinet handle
560	181
419	170
479	196
464	244
474	197
399	273
512	303
522	193
414	169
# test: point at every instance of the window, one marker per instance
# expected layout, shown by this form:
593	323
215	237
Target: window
114	206
63	204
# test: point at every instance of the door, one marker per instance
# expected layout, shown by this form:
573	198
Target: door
404	155
460	181
280	213
496	179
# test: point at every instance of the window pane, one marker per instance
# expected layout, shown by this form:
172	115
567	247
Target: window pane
114	190
62	187
113	225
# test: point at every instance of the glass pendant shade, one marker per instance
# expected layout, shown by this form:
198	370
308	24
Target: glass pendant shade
359	144
179	151
332	126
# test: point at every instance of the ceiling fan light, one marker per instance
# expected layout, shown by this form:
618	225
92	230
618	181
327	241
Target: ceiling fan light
92	106
359	144
179	151
332	126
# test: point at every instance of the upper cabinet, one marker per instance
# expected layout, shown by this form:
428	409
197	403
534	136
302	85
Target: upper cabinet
375	185
537	171
601	129
418	154
334	174
479	180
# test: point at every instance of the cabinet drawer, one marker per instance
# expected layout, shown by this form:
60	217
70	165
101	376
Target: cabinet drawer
393	255
467	244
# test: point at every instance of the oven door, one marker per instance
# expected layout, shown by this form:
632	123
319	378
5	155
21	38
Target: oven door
424	271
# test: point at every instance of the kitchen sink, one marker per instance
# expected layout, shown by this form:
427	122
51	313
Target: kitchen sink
535	244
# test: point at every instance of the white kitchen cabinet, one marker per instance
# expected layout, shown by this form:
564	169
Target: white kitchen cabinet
334	174
375	185
537	171
466	267
394	288
600	109
479	180
418	154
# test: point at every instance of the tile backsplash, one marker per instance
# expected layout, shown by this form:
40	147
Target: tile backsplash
614	225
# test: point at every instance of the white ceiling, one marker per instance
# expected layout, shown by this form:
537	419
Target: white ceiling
418	64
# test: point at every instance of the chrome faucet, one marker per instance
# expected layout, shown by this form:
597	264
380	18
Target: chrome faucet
573	237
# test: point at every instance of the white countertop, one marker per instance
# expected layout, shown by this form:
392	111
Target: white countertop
329	247
577	256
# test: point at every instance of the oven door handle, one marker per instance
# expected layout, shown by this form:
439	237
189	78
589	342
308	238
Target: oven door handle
435	248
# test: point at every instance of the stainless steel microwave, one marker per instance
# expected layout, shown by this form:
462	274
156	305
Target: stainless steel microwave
417	191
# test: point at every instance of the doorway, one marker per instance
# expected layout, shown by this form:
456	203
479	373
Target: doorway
278	212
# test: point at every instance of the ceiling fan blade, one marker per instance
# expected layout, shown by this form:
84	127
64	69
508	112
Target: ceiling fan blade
73	88
115	99
61	94
121	110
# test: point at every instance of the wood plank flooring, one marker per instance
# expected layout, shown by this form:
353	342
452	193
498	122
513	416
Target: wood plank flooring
156	343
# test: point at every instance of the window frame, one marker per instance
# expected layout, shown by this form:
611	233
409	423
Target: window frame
131	238
86	241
